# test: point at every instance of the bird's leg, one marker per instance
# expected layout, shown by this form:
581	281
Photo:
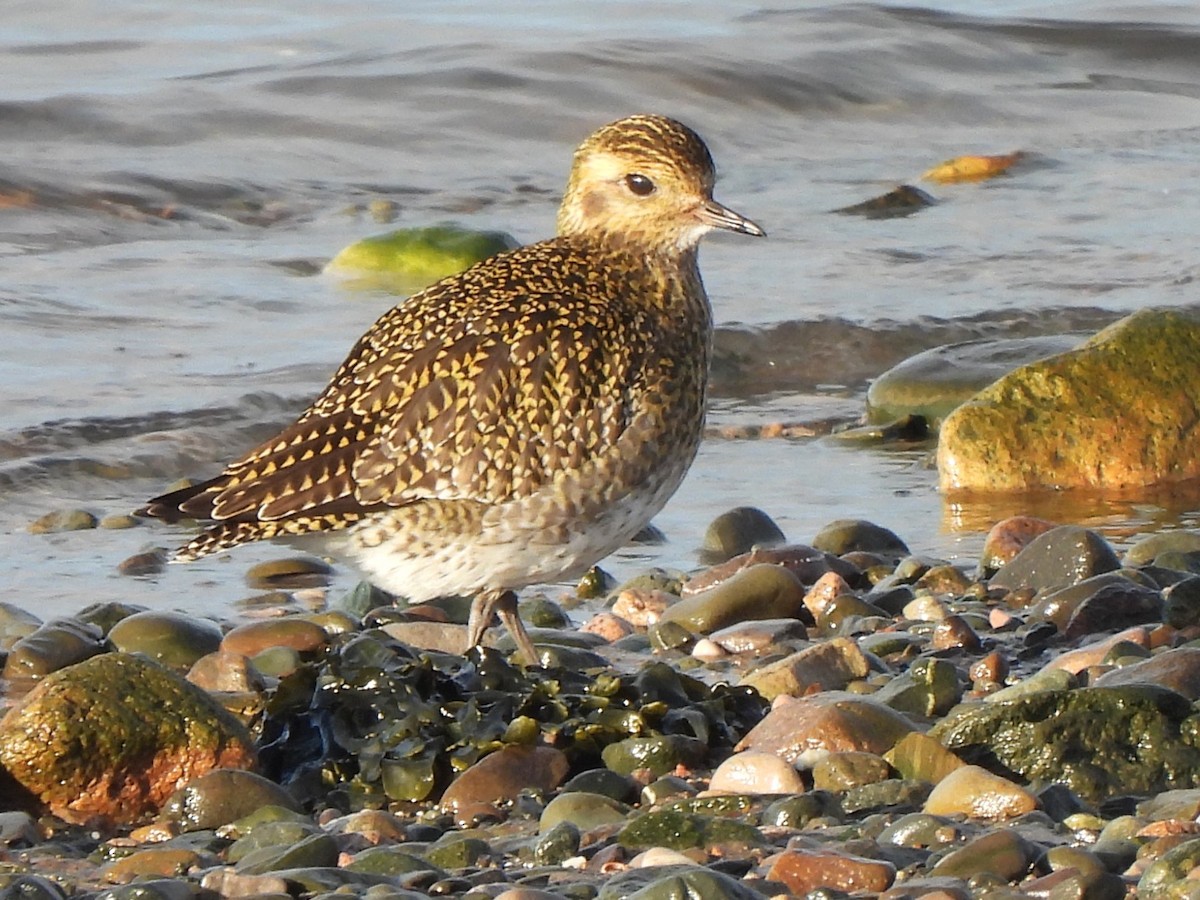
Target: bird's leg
503	604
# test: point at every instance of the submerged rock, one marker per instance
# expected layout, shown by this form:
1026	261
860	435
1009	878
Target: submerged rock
1109	414
935	382
146	733
901	201
411	258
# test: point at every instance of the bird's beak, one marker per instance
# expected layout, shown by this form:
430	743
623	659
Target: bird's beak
715	215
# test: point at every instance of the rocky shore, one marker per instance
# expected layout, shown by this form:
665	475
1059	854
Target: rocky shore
838	718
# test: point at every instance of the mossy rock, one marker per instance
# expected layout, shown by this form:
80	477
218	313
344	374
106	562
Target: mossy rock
1112	413
1099	741
146	731
678	830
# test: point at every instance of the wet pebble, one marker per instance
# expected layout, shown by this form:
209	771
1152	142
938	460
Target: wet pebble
583	810
759	635
500	776
290	632
804	730
53	646
63	520
120	521
148	562
642	608
1145	551
151	862
954	633
608	626
293	572
1003	853
828	665
221	797
804	871
1007	538
977	793
849	769
739	531
857	535
225	671
1058	558
1177	669
756	772
919	757
658	754
823	592
174	639
760	592
16	623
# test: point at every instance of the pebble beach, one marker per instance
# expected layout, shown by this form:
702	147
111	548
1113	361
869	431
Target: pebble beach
841	717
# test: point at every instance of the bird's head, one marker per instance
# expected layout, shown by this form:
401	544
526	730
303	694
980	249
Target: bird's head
646	181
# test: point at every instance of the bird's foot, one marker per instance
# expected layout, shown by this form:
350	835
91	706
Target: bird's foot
502	604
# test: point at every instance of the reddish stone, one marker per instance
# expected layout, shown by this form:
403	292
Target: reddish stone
804	871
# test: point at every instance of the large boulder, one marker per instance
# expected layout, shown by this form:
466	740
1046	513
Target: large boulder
113	737
1118	411
1098	741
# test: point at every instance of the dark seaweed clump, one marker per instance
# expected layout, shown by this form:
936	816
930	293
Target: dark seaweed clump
373	721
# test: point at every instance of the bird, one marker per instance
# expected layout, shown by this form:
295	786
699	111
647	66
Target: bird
517	422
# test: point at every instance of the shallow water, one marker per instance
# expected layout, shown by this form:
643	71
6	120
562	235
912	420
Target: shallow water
170	181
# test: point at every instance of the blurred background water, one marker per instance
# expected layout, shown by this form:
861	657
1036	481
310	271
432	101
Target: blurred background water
173	176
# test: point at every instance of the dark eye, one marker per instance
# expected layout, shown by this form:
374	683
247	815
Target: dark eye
639	185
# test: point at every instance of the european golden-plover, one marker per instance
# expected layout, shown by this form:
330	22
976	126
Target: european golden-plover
514	423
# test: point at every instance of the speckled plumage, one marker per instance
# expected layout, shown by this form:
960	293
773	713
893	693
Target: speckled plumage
517	422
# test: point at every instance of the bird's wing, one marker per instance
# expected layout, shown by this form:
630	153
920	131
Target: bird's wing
481	387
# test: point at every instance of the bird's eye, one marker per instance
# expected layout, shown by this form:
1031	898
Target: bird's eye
639	185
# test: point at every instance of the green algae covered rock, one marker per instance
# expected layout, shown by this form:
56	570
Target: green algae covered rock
1115	412
679	830
146	732
411	258
1097	741
1170	871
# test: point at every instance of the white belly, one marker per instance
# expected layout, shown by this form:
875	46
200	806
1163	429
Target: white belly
508	556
